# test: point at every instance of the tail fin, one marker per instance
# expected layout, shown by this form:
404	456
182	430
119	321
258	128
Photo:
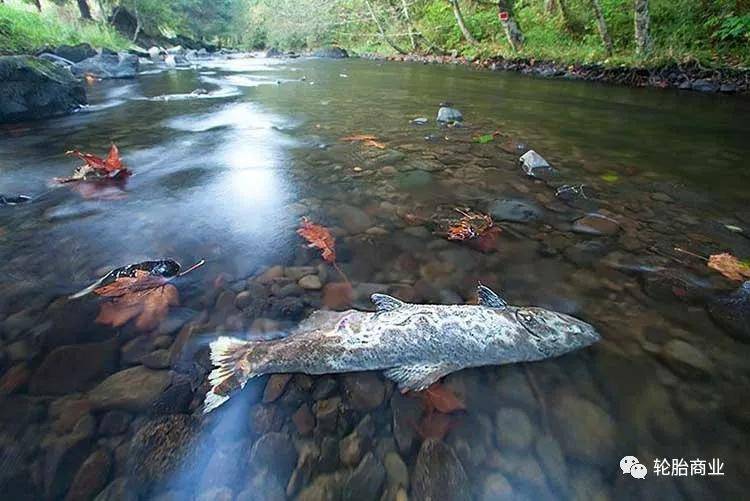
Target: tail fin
232	370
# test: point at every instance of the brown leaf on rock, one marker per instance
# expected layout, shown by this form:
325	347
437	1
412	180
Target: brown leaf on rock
729	266
319	237
143	297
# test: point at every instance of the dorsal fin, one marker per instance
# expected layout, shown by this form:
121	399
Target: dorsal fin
384	302
487	297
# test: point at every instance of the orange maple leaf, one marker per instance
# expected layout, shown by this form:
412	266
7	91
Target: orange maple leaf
471	225
143	297
729	266
97	166
319	237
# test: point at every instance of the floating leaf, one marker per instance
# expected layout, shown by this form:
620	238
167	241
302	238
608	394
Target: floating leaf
319	237
729	266
610	177
96	167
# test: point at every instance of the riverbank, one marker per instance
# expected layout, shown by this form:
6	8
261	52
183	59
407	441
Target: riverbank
689	76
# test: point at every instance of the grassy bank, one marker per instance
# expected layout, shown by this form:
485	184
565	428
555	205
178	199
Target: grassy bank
23	32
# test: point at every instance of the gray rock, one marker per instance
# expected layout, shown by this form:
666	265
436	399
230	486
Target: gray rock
32	88
276	453
406	412
163	446
75	53
396	470
496	487
73	367
553	463
120	489
62	461
133	389
354	220
518	211
596	224
686	360
532	161
585	430
363	391
262	487
92	476
732	312
310	282
324	488
331	52
366	480
122	65
439	474
513	429
704	85
447	114
114	423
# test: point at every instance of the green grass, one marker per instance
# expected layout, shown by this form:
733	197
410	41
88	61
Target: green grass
23	32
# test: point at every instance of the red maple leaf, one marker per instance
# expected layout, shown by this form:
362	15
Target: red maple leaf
319	237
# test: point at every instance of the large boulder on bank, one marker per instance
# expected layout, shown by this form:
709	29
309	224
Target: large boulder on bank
75	53
121	65
32	88
331	52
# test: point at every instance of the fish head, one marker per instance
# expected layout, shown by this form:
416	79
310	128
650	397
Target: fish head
553	333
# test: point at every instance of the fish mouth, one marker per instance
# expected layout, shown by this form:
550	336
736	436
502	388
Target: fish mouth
557	329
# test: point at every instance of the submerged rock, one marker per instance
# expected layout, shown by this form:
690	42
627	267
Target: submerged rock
447	114
732	312
585	430
133	389
686	360
596	224
121	65
366	481
439	474
32	88
517	211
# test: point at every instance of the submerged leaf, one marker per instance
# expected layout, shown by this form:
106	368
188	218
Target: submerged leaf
319	237
485	138
471	225
435	425
610	177
440	398
367	139
143	297
729	266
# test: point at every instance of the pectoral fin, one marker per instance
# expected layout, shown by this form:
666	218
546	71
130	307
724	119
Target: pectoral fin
417	377
487	297
384	302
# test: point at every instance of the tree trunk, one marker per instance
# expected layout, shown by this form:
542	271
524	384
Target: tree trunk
83	6
38	5
409	26
512	30
382	30
602	24
551	6
460	21
643	43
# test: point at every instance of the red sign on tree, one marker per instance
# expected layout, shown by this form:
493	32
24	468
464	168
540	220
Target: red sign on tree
504	16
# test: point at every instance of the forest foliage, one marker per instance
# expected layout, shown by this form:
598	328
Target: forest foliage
709	31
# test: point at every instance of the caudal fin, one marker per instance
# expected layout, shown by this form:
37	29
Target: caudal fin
231	372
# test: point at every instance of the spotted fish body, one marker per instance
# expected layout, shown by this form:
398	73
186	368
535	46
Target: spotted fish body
413	344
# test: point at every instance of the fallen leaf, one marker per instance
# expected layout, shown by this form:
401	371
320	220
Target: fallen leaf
96	167
440	398
610	177
488	241
486	138
143	297
367	139
729	266
471	225
319	237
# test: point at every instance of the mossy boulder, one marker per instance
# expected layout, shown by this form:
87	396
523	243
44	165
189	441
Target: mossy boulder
32	88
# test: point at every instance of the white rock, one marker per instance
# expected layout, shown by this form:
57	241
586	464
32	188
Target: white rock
532	160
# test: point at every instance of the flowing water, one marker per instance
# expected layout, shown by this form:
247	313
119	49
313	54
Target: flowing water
87	409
